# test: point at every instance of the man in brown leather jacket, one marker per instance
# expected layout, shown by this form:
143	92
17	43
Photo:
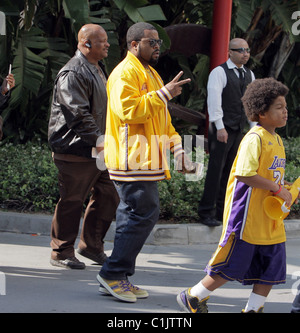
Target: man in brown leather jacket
76	128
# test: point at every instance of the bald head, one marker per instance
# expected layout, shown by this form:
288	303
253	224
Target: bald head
93	43
88	32
236	42
239	52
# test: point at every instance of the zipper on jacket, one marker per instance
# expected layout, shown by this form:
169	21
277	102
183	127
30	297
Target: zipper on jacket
126	146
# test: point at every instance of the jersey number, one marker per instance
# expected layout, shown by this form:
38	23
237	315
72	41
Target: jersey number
278	178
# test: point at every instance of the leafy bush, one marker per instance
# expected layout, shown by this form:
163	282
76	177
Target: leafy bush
292	172
28	182
179	198
28	177
292	146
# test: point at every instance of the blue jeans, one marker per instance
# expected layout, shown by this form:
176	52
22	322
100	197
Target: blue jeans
136	215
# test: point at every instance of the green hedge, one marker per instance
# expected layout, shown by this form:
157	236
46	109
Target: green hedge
28	178
28	182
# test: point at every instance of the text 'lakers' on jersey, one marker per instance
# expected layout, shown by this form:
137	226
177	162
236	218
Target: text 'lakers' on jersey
260	153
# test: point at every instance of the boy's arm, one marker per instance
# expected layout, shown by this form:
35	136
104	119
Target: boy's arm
266	184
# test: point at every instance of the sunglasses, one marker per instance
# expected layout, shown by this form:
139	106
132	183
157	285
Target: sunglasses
242	50
152	41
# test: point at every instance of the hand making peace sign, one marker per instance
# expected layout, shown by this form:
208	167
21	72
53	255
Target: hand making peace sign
175	86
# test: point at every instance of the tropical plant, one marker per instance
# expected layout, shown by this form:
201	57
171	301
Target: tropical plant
267	26
41	37
31	186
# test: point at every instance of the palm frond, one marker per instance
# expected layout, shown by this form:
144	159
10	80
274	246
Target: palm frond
281	12
78	12
28	67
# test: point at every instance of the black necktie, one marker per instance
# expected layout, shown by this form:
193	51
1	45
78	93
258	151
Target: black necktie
241	77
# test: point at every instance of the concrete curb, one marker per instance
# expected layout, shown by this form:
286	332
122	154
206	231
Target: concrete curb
162	234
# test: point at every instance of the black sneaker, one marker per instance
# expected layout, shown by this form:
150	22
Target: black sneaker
99	258
71	262
191	303
210	221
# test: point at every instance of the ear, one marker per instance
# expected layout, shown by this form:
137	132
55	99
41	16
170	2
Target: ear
134	44
88	44
262	115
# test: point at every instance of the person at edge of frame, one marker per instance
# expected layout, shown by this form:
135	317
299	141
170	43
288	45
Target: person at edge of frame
7	84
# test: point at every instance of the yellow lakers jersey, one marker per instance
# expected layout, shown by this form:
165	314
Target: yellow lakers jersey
260	153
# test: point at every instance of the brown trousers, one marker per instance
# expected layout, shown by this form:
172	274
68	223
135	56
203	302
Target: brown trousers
76	181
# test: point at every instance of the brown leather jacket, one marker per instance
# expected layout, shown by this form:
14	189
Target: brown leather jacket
78	109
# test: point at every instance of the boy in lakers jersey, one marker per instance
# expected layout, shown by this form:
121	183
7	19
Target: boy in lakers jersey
252	246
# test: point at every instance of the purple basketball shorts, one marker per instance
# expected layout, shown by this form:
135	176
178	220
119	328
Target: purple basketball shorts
249	263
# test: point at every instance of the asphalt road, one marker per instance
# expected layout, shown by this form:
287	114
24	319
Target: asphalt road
30	284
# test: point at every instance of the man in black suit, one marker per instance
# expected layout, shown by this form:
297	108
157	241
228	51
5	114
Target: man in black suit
226	85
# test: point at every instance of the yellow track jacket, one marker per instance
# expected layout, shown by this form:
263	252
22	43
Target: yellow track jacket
139	133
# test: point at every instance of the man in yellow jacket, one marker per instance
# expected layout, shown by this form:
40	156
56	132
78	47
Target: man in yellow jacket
138	135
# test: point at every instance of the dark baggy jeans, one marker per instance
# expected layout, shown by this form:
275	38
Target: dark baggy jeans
76	181
136	216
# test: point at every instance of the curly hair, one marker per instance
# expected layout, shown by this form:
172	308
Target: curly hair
260	95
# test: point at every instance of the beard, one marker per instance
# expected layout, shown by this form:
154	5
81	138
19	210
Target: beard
154	59
153	62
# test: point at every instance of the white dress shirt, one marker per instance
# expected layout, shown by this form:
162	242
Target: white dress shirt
217	81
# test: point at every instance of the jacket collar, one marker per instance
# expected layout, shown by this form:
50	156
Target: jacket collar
232	65
92	67
140	66
136	61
